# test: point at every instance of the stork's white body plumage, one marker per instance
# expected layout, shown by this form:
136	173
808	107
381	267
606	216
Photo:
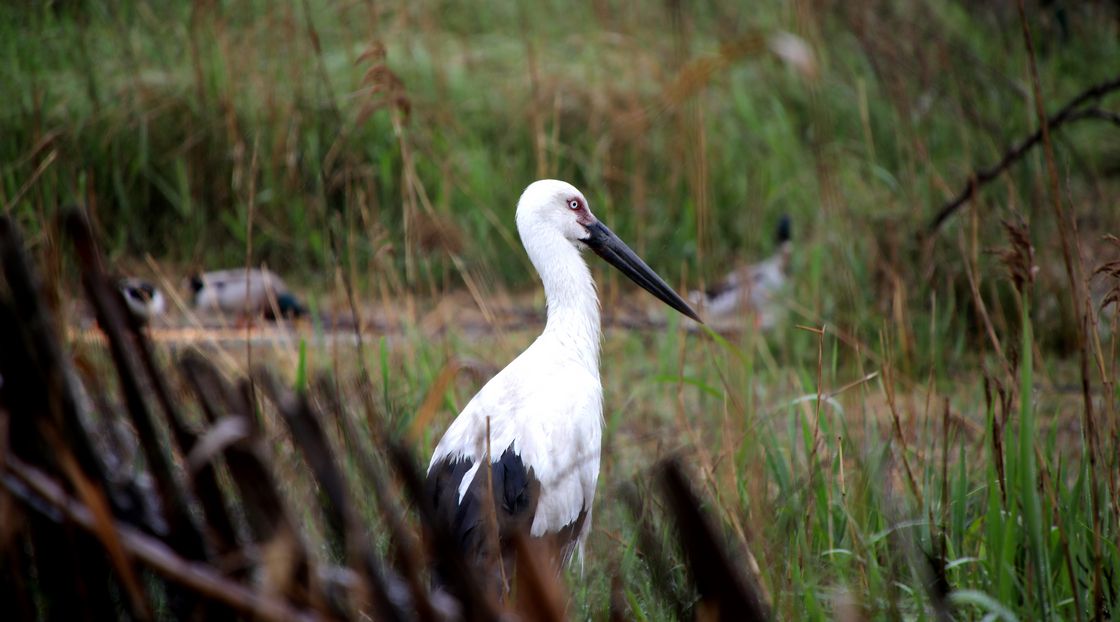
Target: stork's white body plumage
551	421
544	411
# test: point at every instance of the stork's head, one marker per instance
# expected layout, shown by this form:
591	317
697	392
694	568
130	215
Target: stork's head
553	212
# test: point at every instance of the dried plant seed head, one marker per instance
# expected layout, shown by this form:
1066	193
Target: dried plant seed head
1018	256
1110	271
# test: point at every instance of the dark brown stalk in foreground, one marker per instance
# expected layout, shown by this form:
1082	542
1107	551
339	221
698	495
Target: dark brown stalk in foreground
186	536
198	577
342	520
723	589
660	566
407	557
478	604
38	398
270	524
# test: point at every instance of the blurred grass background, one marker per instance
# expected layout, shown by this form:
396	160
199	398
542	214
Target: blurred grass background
392	139
405	132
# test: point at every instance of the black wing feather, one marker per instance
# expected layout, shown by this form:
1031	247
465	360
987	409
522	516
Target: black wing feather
516	491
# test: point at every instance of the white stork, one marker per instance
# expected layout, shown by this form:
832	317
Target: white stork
544	410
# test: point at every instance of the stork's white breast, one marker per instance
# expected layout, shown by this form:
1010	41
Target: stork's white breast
548	407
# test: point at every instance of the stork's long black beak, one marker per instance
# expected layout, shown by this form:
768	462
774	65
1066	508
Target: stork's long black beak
607	245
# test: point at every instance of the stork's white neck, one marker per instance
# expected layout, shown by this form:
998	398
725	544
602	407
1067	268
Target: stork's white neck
573	306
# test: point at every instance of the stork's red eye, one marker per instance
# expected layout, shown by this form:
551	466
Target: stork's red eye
574	204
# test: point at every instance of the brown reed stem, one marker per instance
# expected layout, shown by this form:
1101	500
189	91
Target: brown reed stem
198	577
1067	229
1068	114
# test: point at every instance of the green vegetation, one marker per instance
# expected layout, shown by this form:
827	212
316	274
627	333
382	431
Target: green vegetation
392	140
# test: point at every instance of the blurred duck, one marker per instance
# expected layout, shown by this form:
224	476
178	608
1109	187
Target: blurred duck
240	291
143	299
750	290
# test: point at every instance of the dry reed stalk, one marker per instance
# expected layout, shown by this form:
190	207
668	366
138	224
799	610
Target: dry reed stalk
194	575
1071	112
491	513
432	401
308	435
654	554
103	526
187	537
538	586
724	591
40	169
746	536
1047	486
708	467
408	556
982	311
1111	297
888	389
943	538
818	442
477	602
1075	272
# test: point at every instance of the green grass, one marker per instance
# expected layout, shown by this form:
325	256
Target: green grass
820	498
194	133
